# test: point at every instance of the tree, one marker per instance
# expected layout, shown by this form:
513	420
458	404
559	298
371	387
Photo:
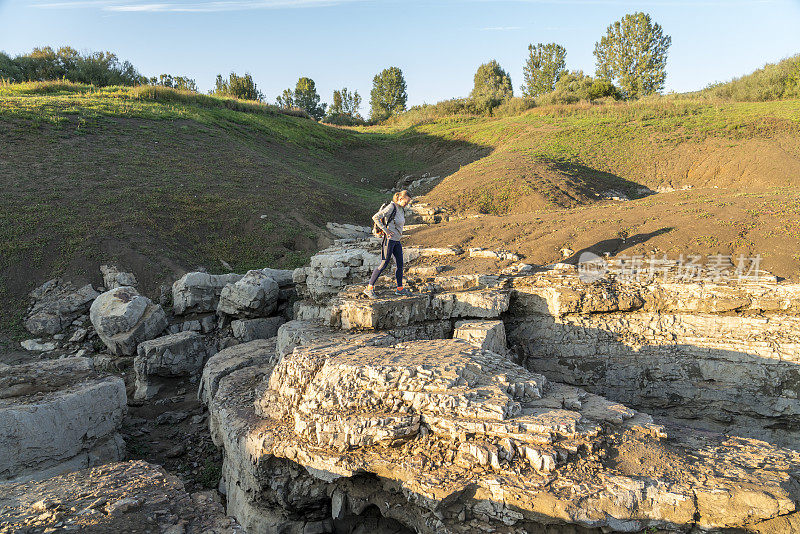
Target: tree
345	103
344	108
242	87
388	95
492	87
176	82
305	97
286	99
543	68
634	53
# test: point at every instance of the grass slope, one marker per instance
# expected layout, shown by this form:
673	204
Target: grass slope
163	183
565	156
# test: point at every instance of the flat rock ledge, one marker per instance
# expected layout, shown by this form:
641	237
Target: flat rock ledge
441	436
114	498
58	416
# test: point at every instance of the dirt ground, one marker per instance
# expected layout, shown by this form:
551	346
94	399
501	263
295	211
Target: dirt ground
761	223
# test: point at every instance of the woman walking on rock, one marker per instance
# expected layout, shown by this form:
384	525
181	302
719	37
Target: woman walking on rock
389	222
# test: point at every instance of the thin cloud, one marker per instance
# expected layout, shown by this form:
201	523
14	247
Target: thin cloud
655	3
501	28
188	7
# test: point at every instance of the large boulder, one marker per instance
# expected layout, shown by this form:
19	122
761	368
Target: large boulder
255	295
56	304
123	318
58	416
199	292
226	361
175	355
262	328
114	278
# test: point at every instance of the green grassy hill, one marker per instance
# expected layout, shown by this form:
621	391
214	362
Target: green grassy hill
558	157
163	181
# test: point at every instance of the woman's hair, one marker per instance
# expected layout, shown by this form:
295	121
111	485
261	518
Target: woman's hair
401	194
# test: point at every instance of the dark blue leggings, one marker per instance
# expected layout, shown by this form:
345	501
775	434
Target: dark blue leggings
390	248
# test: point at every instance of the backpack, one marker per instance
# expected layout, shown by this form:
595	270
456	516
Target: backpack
376	230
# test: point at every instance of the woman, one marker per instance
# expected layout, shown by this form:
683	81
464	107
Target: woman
391	220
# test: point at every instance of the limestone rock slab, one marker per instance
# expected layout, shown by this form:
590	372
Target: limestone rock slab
261	328
488	335
56	304
174	355
57	416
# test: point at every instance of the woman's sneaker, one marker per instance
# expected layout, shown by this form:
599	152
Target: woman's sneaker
370	293
402	292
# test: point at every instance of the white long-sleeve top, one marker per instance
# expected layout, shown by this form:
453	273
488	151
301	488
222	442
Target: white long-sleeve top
397	223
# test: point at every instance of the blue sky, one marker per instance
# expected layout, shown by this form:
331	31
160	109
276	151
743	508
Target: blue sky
438	44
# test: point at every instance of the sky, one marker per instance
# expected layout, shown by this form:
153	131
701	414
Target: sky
438	44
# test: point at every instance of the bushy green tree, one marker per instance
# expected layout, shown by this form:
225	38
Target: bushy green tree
286	99
176	82
9	70
574	86
634	54
242	87
388	95
42	64
492	86
542	69
306	98
344	108
345	103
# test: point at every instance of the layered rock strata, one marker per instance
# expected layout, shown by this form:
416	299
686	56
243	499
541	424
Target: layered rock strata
442	436
717	356
58	416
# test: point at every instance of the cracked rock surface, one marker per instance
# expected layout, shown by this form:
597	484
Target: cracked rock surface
442	436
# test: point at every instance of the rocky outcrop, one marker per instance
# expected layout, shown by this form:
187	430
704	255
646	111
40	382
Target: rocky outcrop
348	231
114	278
446	301
119	497
55	305
198	292
123	318
58	416
334	268
254	295
441	436
171	356
716	356
365	414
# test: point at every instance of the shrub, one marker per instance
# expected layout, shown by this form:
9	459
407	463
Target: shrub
514	106
575	86
774	81
242	87
45	64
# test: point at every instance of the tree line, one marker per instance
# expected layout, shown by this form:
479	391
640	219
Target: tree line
630	62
